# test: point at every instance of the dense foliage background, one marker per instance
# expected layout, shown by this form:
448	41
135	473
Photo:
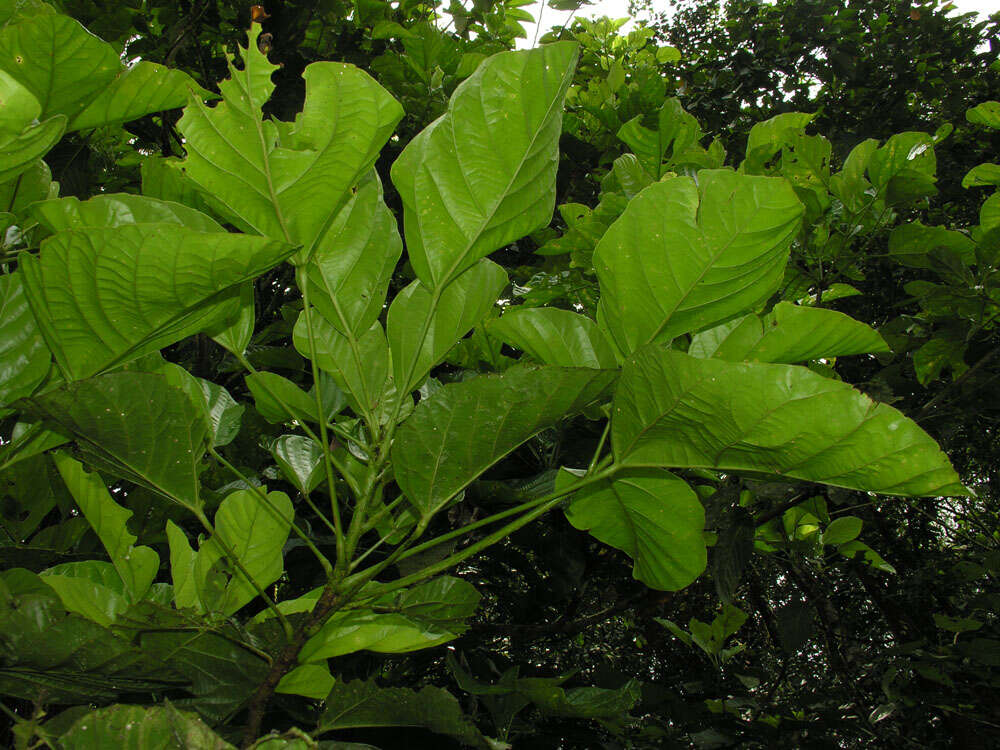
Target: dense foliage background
783	642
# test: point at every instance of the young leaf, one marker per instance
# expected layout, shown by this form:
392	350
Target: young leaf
137	566
673	410
462	305
464	428
686	256
138	426
555	337
483	175
179	281
287	183
653	517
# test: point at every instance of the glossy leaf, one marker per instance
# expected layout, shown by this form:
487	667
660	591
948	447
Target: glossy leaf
311	680
21	149
137	566
24	359
138	426
118	209
653	517
464	428
222	411
364	704
686	256
179	281
300	460
483	175
420	617
555	337
289	182
462	305
349	273
673	410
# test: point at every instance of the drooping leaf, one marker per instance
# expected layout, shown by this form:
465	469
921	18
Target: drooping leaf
349	273
673	410
141	728
273	393
24	360
483	175
422	616
300	460
73	73
137	426
460	306
653	517
311	680
137	566
362	703
290	182
555	337
464	428
685	257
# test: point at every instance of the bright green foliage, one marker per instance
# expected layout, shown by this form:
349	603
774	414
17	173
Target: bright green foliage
674	410
556	337
24	357
484	174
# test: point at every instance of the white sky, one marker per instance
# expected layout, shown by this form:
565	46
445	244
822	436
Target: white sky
619	9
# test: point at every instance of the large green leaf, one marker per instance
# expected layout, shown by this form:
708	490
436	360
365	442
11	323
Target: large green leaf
141	728
91	588
137	566
24	360
136	425
673	410
19	150
73	73
555	337
464	428
104	296
483	175
287	182
349	273
419	617
791	333
460	306
364	704
653	517
300	460
118	209
685	255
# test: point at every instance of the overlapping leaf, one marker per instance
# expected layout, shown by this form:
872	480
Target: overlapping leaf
555	337
464	428
686	256
483	175
673	410
24	360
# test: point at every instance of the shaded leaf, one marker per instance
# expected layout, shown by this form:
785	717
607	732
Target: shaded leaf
24	359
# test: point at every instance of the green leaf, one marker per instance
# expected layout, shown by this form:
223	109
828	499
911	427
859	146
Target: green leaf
982	175
767	138
841	530
138	426
687	256
92	589
24	359
255	532
673	410
349	273
987	113
580	703
300	460
115	210
915	245
464	428
18	106
221	410
267	388
361	373
363	704
73	73
182	559
311	680
287	182
137	566
180	281
443	319
555	337
870	557
483	175
141	728
793	333
19	150
422	616
653	517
